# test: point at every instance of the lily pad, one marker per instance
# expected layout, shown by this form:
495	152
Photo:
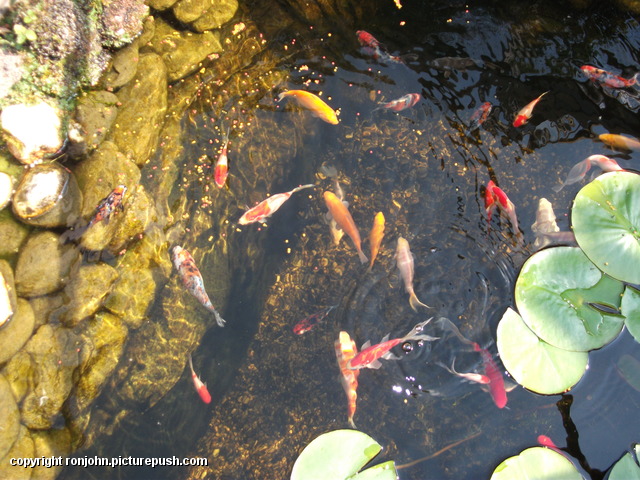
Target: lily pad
553	294
533	363
606	223
536	463
630	307
625	469
339	455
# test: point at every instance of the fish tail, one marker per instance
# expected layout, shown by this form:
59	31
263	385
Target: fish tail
426	338
219	320
301	187
446	323
363	257
281	96
557	188
351	423
190	363
414	302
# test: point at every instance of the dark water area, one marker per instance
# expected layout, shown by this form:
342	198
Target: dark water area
426	170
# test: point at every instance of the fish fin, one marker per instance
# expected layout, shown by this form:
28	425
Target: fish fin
366	344
219	320
281	96
352	424
390	356
426	338
374	365
363	257
191	363
557	188
414	302
385	338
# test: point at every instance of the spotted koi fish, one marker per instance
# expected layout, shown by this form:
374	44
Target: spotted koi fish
402	103
192	279
306	324
345	351
109	205
268	207
607	78
374	48
480	115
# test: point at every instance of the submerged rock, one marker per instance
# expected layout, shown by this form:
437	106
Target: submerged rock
9	417
6	189
95	114
17	332
23	447
8	300
13	234
217	15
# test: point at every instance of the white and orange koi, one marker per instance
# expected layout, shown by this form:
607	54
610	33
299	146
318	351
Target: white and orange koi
471	376
313	103
200	387
607	78
580	169
494	198
525	113
375	236
221	170
345	350
343	218
404	260
402	103
267	207
192	279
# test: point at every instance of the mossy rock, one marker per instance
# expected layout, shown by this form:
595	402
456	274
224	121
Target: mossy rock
6	273
17	331
13	234
96	112
44	307
9	417
18	373
216	16
51	443
23	447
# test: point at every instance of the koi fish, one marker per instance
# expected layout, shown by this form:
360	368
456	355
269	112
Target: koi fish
545	218
480	115
496	385
373	47
471	376
192	279
525	113
343	218
580	169
345	351
267	207
201	388
370	354
607	78
402	103
109	205
545	441
306	324
404	260
221	170
367	40
619	142
375	236
494	198
313	103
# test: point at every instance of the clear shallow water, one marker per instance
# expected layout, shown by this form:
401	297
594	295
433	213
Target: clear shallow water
273	391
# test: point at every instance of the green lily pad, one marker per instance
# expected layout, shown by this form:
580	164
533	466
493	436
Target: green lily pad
625	469
606	223
339	455
533	363
630	308
553	293
536	463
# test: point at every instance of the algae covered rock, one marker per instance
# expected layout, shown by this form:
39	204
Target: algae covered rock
95	114
51	443
16	333
9	417
217	15
23	447
12	232
8	300
43	265
44	306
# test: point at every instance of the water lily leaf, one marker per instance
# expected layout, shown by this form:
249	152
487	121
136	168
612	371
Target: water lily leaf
536	463
625	469
339	455
606	223
555	292
630	307
533	363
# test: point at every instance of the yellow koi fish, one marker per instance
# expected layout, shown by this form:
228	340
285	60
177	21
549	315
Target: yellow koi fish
375	237
343	218
345	350
313	103
619	142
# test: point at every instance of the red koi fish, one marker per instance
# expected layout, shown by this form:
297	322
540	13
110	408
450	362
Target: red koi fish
367	40
404	260
607	78
345	351
471	376
109	205
201	388
525	113
580	169
221	170
370	354
402	103
192	279
268	207
306	324
494	198
373	47
480	115
545	441
497	389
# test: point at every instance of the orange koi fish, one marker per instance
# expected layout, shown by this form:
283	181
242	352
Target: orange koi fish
580	169
343	218
404	260
619	142
306	324
402	103
345	351
496	385
375	236
525	113
107	206
313	103
370	354
471	376
480	115
607	78
494	198
267	207
221	170
201	388
192	279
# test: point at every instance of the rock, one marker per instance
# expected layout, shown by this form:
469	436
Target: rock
23	447
17	372
8	300
87	287
95	113
122	21
10	71
217	15
6	189
183	52
161	4
13	234
16	333
31	131
47	195
189	10
9	417
43	265
144	103
123	67
44	306
52	443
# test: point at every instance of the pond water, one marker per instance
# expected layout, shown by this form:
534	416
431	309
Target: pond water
425	169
